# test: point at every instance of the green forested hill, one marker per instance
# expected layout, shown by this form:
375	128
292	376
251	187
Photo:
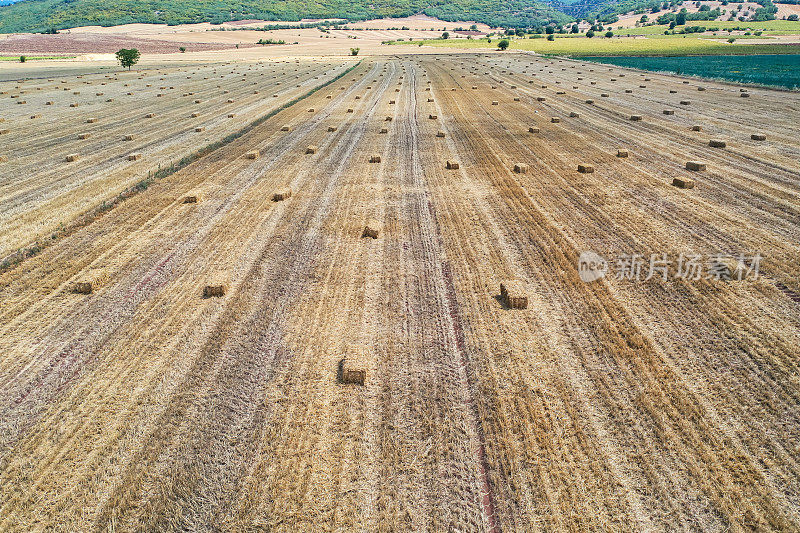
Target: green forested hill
40	15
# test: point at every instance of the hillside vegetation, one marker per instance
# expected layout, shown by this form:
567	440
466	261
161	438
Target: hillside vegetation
42	15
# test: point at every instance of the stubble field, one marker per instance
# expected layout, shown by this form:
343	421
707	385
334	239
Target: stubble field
611	405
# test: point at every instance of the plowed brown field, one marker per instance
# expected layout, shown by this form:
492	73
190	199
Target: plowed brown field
608	405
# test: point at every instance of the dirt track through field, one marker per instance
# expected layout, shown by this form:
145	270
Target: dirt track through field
610	405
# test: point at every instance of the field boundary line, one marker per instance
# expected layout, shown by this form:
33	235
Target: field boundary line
35	248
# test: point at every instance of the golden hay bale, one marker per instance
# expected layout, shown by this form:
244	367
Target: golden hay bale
668	112
451	165
134	156
150	115
310	109
758	137
573	114
282	194
372	228
375	159
98	94
73	104
72	158
191	198
697	127
350	110
230	101
521	168
685	102
354	365
430	100
214	290
384	130
744	95
90	281
683	183
91	120
392	102
332	128
555	120
516	98
474	87
495	102
585	169
84	135
697	166
440	134
198	129
540	99
48	103
589	101
622	153
604	95
253	154
195	115
636	118
433	117
714	143
388	119
701	88
311	149
514	294
533	129
197	101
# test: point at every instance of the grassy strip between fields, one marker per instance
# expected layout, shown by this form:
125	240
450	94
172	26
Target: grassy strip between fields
673	45
35	248
34	58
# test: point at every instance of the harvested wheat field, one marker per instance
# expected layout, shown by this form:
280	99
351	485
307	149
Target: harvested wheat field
311	341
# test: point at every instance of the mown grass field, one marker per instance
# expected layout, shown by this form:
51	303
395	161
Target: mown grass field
769	27
677	45
620	404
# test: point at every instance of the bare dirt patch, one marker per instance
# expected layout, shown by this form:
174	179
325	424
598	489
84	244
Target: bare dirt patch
86	43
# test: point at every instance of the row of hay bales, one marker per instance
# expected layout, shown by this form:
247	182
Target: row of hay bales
94	279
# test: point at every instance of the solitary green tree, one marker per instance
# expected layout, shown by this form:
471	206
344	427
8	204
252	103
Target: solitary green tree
502	45
354	51
128	57
446	35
